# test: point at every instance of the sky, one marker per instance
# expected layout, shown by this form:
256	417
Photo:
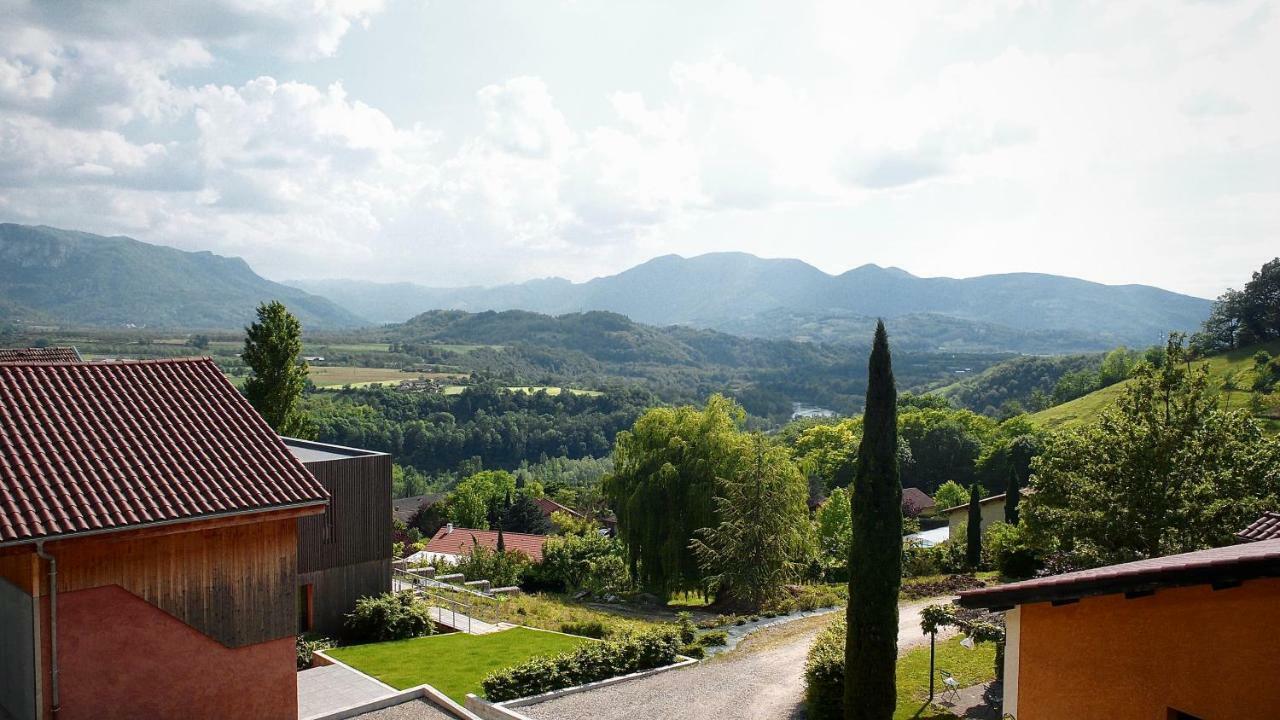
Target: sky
484	141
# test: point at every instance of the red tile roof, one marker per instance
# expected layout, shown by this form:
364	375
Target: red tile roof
108	446
1233	563
1266	527
35	354
916	498
549	506
461	540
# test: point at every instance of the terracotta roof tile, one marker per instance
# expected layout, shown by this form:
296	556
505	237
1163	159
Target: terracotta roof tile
461	540
1234	562
1266	527
549	506
36	354
916	498
105	446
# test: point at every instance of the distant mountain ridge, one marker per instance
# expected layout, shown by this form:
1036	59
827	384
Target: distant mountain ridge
78	278
748	295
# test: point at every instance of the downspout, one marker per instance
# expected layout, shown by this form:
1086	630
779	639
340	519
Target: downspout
53	625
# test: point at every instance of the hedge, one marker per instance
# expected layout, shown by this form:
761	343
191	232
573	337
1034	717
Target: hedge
824	674
588	663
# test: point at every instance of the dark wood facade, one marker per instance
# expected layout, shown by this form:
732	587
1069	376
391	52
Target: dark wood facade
345	553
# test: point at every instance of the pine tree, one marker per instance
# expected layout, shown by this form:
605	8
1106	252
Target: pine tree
875	558
973	546
272	347
1012	496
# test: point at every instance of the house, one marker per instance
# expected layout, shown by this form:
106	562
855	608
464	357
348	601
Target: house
403	509
148	544
958	516
929	538
40	354
1182	637
454	543
344	554
916	502
548	507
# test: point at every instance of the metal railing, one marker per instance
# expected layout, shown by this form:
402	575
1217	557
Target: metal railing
455	599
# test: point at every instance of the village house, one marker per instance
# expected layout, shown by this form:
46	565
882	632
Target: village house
916	502
403	509
148	545
958	516
452	544
344	554
1182	637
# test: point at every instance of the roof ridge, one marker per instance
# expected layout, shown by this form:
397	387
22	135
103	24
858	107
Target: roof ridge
108	363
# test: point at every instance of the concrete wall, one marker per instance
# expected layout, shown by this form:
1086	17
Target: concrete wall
17	653
1210	653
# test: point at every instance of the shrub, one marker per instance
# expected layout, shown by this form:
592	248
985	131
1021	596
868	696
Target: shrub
685	626
590	563
393	616
824	674
1010	552
588	663
810	597
946	585
693	650
589	628
918	560
501	569
714	638
306	645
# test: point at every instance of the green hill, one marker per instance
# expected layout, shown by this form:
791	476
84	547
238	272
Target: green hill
73	278
1234	368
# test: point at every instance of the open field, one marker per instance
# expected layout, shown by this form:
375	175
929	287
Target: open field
1230	376
455	664
337	376
549	389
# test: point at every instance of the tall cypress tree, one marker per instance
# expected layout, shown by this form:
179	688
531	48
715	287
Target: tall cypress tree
1012	496
973	548
875	558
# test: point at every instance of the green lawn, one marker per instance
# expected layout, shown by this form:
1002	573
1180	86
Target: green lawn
969	666
454	664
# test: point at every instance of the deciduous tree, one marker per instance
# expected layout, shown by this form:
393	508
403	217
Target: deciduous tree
272	347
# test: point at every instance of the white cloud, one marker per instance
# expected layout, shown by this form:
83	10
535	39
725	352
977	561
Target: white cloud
945	138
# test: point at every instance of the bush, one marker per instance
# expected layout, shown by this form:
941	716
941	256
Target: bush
590	628
824	674
685	626
590	563
1010	552
589	663
393	616
693	650
502	569
306	645
810	597
714	638
918	560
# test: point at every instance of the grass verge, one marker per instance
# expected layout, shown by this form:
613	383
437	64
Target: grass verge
970	667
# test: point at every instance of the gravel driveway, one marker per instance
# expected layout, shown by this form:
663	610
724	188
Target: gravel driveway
763	680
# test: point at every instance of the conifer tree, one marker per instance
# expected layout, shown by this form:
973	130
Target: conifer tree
973	546
1012	496
875	558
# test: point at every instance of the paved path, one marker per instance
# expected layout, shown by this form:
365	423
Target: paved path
325	689
462	623
763	681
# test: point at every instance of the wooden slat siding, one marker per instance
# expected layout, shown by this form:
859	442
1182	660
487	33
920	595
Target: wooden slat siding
360	504
235	584
336	590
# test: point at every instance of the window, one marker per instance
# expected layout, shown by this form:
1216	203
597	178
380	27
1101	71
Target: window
304	608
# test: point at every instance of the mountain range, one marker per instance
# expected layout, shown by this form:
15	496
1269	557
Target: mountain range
789	299
76	278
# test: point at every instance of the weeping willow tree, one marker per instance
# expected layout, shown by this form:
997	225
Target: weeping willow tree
663	484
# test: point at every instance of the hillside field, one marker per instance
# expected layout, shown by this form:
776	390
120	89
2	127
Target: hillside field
1235	366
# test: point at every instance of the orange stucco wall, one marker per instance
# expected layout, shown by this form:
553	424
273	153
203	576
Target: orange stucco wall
1213	654
121	657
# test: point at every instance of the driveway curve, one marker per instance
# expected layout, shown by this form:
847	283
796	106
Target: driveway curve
762	680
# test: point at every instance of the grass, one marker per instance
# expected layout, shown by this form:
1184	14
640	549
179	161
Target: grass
549	612
550	390
328	376
1236	365
455	664
969	666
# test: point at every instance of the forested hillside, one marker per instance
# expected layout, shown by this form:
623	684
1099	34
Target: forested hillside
789	299
678	364
81	279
